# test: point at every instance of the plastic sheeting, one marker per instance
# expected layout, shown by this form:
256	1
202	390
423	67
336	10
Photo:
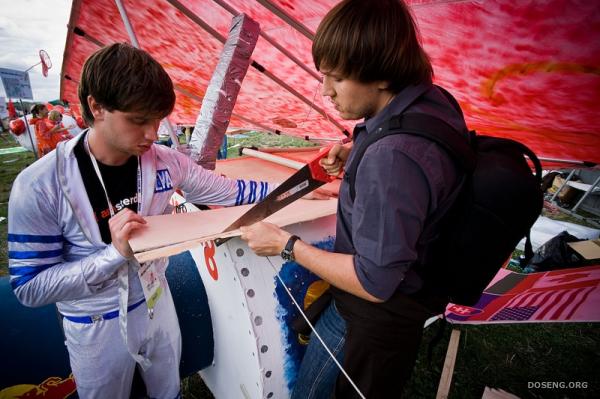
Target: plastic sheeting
544	229
527	70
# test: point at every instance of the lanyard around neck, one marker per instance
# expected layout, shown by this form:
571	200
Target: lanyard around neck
99	174
123	271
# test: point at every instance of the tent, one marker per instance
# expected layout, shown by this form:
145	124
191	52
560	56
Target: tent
524	70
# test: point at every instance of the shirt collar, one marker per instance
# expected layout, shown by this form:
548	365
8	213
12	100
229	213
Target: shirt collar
399	104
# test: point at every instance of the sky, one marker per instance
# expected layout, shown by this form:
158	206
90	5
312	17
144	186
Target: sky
26	27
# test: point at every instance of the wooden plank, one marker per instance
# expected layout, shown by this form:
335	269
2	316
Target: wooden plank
166	235
448	370
162	230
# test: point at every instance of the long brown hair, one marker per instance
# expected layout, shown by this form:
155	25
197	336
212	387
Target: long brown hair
36	109
370	41
123	78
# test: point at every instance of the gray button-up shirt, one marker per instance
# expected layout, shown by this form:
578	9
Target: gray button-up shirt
400	181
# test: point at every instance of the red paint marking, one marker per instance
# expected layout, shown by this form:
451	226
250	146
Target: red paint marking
209	259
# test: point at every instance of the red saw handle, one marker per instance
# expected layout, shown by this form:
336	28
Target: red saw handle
316	170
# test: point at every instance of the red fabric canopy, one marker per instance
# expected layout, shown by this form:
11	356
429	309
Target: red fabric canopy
524	70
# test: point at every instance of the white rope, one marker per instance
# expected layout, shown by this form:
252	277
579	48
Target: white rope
288	290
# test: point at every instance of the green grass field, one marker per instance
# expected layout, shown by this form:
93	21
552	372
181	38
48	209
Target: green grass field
10	166
508	357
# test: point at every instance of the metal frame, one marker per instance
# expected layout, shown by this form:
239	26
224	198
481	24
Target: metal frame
573	211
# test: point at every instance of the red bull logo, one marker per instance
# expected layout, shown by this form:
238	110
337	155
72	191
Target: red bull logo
51	388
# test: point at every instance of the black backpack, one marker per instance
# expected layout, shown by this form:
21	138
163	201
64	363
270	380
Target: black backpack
493	208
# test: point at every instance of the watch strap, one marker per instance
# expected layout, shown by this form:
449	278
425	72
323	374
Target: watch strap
288	250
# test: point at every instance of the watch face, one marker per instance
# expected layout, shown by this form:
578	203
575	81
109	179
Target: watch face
287	255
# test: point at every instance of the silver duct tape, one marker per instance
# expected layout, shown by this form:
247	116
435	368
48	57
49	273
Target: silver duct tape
223	90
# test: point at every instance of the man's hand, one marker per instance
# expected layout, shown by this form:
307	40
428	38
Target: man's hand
265	239
121	226
335	160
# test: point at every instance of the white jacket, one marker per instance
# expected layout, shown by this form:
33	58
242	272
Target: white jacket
56	253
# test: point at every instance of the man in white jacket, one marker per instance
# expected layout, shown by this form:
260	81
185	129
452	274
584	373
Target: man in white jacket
71	215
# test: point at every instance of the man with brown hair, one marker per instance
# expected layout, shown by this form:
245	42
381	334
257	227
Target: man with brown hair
72	212
374	68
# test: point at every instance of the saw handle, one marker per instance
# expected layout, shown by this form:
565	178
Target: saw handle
316	170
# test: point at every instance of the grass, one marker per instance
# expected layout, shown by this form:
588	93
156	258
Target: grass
10	166
259	139
507	356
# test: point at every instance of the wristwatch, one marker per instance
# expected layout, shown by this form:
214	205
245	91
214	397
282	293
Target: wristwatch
288	252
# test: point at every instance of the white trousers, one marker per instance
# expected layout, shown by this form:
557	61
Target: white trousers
102	365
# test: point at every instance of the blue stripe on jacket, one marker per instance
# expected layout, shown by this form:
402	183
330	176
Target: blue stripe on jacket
241	192
264	187
260	191
34	238
26	273
252	194
34	254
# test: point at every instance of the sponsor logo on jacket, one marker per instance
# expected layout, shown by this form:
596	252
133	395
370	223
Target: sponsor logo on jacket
163	181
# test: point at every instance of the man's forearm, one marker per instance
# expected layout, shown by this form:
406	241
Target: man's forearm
335	268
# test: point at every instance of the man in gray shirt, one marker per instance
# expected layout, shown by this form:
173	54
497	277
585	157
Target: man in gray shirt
374	68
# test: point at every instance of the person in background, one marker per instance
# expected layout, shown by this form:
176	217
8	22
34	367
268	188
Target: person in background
72	213
42	126
59	131
374	68
48	132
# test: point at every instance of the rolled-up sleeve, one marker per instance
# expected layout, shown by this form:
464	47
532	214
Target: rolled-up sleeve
389	213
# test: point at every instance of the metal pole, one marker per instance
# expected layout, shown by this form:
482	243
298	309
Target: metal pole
279	47
172	133
280	12
127	24
34	65
568	161
588	192
33	148
136	44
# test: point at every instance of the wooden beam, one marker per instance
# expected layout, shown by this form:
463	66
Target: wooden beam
448	370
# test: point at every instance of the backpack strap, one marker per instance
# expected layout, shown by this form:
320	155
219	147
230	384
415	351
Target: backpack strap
440	132
422	125
451	100
532	157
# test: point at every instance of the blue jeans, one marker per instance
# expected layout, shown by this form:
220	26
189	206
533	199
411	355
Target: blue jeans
318	373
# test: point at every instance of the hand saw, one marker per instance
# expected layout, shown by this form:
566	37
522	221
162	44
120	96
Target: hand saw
305	180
